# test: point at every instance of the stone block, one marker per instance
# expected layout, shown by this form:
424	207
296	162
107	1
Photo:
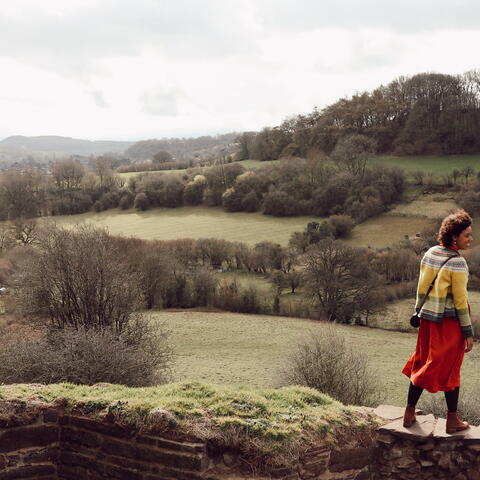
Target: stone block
120	449
67	472
349	459
386	439
118	473
363	476
50	415
391	412
79	460
109	429
178	460
405	463
172	445
421	430
30	436
80	437
42	455
424	447
128	463
165	472
471	435
29	471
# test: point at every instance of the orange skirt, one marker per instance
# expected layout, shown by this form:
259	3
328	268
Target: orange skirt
435	364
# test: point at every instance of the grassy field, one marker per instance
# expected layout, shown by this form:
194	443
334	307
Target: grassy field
397	315
438	165
249	164
404	219
229	348
127	175
191	222
385	230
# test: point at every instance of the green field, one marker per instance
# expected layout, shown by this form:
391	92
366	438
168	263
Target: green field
248	164
385	230
127	175
236	349
437	165
191	222
403	219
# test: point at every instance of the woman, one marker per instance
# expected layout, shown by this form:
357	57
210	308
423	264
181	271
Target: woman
445	332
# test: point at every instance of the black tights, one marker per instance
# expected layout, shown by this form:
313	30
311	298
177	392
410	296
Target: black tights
450	397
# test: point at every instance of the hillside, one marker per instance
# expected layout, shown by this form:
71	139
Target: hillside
181	148
41	145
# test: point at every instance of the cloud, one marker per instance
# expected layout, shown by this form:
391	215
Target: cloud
160	103
403	16
143	68
99	99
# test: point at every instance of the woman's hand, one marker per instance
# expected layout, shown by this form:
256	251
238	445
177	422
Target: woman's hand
468	344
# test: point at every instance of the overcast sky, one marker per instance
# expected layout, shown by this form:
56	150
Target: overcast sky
136	69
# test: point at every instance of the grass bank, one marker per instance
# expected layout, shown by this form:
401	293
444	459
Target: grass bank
272	423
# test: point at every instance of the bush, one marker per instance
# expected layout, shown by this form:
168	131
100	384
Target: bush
343	225
78	277
232	298
141	202
139	357
326	362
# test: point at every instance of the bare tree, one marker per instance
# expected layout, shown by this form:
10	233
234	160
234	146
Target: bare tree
25	231
353	152
339	280
78	278
68	175
467	172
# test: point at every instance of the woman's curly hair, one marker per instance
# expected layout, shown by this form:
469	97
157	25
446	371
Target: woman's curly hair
453	225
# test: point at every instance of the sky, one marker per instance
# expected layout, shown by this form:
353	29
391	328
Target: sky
138	69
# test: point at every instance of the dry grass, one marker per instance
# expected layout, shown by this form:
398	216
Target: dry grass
386	230
428	206
191	222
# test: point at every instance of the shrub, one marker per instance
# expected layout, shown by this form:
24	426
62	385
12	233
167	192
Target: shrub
78	278
232	298
326	362
140	356
141	202
343	225
125	202
250	202
204	285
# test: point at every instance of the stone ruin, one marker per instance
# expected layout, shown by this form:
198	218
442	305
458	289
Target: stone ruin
50	444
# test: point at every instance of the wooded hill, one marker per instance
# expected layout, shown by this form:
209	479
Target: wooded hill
65	145
181	148
426	114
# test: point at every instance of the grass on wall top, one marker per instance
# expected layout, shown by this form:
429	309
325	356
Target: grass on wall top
265	422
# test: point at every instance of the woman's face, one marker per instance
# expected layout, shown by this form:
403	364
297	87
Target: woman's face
462	241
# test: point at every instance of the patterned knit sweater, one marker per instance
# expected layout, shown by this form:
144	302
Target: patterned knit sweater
448	297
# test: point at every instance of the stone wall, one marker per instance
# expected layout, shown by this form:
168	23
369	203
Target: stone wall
425	451
40	442
29	443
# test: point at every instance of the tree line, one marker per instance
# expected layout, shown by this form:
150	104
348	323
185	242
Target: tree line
344	183
338	282
428	113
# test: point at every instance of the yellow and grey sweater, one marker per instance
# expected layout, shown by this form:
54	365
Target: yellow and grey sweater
448	297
